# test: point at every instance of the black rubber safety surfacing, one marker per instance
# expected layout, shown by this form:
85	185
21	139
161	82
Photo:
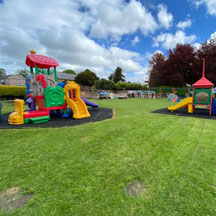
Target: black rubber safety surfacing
198	113
98	114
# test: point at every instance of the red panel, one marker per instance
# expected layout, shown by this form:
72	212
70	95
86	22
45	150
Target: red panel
41	79
41	61
32	114
39	101
39	97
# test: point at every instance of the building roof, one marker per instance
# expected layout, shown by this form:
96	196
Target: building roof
11	75
66	76
41	61
15	75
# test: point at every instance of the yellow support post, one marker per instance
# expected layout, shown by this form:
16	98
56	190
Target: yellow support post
190	108
17	116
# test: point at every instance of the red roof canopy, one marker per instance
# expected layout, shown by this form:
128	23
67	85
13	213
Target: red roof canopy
41	61
203	83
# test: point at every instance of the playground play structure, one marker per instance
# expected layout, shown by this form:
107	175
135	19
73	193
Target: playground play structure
202	96
45	95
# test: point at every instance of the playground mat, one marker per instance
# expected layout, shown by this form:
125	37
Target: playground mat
198	113
98	114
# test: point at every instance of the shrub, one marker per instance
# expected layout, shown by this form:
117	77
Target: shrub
104	84
180	91
130	86
86	77
12	91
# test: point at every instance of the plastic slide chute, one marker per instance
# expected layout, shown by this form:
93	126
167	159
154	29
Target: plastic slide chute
89	103
73	100
79	108
187	101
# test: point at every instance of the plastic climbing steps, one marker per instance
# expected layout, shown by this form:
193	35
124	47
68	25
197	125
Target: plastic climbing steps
37	119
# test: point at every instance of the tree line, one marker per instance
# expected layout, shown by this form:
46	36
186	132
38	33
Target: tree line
87	77
24	72
183	65
21	72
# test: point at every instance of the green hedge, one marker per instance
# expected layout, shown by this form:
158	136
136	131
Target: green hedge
129	86
12	91
181	91
104	84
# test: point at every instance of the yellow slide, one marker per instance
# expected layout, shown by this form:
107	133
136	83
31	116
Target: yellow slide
73	100
79	108
187	101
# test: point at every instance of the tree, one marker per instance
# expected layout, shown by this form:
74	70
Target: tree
23	72
208	51
156	64
179	69
86	77
104	84
117	75
181	66
2	72
69	71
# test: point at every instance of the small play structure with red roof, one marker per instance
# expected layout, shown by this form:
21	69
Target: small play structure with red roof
202	96
45	95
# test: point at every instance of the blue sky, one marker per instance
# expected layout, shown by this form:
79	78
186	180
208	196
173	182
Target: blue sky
101	34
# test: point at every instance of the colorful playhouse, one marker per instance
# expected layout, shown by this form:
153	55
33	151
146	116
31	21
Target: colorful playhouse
45	95
202	96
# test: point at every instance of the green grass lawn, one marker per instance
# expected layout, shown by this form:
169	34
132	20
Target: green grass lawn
84	170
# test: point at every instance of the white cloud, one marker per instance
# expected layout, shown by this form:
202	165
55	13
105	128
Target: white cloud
197	45
140	76
211	39
184	24
210	5
135	40
78	53
169	41
15	42
60	29
40	14
116	21
158	51
80	50
213	36
164	17
197	3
